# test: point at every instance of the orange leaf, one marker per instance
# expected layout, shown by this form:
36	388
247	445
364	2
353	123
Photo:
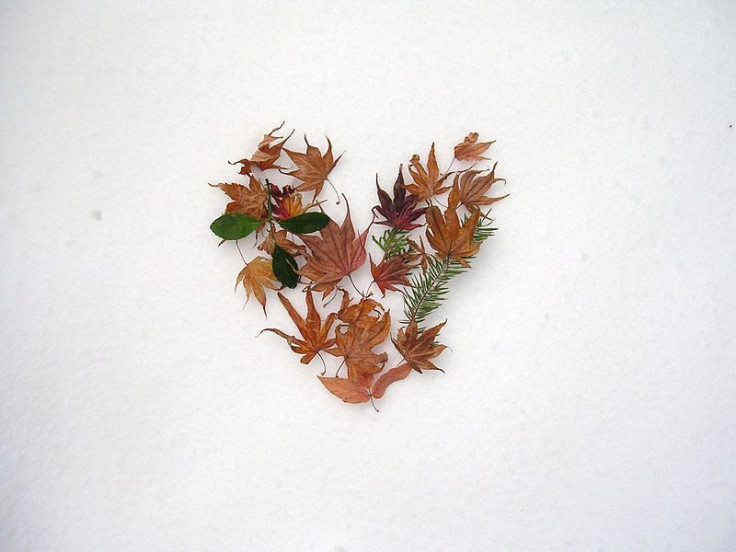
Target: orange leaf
312	167
418	348
470	149
313	332
393	375
427	182
256	276
346	390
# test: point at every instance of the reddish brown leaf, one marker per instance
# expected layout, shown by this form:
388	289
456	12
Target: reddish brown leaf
448	237
346	390
312	167
418	348
386	379
313	332
334	254
390	273
427	182
470	149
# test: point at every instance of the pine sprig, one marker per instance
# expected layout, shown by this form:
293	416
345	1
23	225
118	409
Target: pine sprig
430	288
393	242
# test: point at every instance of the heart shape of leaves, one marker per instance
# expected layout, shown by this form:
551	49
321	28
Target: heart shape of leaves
305	248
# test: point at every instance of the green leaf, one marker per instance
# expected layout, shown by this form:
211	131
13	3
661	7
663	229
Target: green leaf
284	267
234	226
306	223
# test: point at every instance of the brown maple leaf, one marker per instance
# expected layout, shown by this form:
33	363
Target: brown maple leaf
449	238
334	254
247	200
391	272
256	276
267	154
470	149
391	376
469	189
314	333
347	390
312	167
355	340
427	182
419	348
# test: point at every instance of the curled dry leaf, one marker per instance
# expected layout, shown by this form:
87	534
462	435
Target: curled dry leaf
246	200
469	189
419	348
255	277
312	167
470	149
387	378
427	182
267	154
314	333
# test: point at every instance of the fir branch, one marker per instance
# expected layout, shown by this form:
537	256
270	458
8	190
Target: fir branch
393	242
430	288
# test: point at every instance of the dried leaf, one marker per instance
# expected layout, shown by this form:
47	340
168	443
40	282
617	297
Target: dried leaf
470	149
279	238
334	254
312	167
418	348
427	182
346	390
450	239
401	211
247	200
355	340
389	377
314	333
267	154
469	189
256	276
390	273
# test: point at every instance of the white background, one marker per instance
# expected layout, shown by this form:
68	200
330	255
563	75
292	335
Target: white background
589	397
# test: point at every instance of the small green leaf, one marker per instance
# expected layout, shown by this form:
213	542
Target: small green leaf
234	226
306	223
284	267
